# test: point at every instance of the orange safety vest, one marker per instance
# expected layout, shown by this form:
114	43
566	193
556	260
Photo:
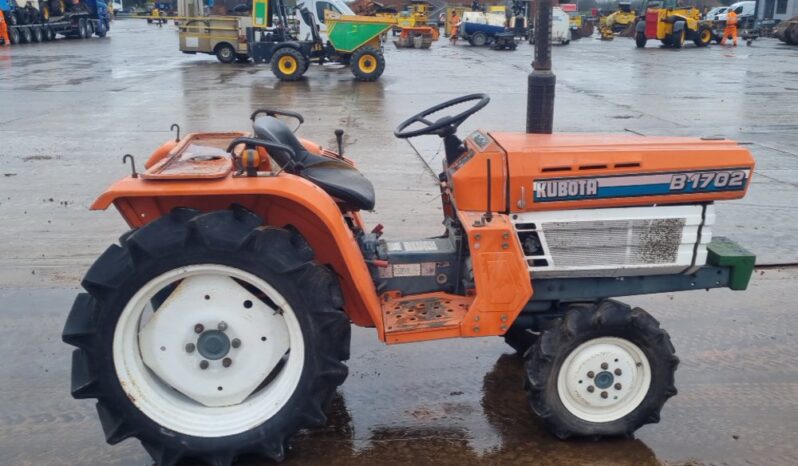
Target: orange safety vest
731	19
453	24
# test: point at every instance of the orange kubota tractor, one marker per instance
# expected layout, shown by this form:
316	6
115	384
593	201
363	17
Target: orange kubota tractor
220	323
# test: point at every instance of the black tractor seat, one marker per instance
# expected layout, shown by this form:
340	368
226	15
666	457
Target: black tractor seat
336	177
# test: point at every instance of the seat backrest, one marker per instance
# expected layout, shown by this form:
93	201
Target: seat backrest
271	129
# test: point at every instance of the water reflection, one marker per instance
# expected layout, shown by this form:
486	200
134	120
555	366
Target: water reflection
521	437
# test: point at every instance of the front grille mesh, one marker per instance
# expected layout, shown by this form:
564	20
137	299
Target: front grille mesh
614	242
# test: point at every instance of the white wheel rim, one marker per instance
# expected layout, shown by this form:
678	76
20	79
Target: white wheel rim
166	382
604	379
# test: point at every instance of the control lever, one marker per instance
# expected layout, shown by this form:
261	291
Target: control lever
339	136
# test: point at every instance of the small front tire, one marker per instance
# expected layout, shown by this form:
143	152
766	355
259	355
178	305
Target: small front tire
604	370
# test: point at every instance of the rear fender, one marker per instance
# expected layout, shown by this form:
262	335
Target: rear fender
281	201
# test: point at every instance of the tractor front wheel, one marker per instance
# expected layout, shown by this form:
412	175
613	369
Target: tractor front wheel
288	64
603	370
367	64
208	336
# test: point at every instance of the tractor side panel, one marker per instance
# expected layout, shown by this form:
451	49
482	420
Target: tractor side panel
501	276
280	201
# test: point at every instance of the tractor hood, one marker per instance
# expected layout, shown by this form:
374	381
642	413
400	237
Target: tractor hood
575	171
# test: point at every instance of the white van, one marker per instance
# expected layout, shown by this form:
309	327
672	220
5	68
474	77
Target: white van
743	10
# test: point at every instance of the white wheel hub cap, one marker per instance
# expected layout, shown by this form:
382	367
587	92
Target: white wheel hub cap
604	379
213	340
222	354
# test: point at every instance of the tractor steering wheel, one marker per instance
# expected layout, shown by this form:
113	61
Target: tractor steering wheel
444	126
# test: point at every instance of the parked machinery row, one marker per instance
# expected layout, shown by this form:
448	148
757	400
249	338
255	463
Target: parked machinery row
43	20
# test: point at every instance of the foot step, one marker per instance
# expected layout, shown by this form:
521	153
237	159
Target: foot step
435	315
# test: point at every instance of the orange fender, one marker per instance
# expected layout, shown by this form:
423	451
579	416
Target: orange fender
280	200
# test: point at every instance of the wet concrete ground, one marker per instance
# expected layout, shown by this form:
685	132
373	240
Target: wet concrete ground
69	110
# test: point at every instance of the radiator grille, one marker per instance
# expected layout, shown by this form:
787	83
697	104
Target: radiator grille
614	242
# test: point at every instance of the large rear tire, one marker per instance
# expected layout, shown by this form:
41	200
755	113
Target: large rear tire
604	370
208	336
367	64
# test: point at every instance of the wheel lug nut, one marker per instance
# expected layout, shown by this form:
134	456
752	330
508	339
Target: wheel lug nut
204	364
604	365
618	372
236	342
591	374
604	395
591	389
222	326
190	347
617	386
199	328
226	362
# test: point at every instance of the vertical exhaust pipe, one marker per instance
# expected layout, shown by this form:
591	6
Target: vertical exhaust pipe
541	81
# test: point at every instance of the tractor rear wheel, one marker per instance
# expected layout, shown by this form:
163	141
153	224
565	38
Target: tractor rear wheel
640	40
604	370
367	64
208	336
703	36
288	64
225	53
